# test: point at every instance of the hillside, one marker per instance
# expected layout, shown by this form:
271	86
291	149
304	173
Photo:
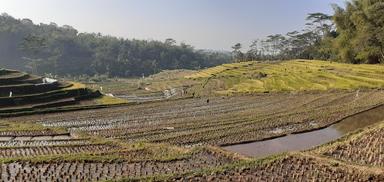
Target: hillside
22	93
153	86
63	50
286	76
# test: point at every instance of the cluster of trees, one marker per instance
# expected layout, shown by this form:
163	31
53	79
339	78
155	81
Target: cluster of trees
361	31
354	34
49	48
305	44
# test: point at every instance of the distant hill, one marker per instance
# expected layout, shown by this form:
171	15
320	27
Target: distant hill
49	48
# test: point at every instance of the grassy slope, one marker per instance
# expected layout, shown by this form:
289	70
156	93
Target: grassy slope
295	75
149	86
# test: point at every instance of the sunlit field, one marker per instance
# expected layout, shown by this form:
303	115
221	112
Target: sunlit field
201	90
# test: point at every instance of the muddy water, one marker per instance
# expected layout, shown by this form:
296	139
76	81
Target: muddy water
307	140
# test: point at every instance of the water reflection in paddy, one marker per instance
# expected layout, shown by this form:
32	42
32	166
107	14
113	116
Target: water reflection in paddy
307	140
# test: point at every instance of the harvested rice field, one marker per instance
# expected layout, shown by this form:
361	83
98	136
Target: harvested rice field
215	121
168	140
101	162
188	137
365	148
295	167
355	157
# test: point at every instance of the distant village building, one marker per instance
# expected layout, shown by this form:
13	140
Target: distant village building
110	95
49	80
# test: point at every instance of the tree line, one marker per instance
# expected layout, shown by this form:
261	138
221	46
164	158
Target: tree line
353	34
62	50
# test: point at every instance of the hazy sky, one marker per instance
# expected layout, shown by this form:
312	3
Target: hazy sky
209	24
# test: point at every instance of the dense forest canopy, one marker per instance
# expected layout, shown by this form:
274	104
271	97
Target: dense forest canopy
354	34
49	48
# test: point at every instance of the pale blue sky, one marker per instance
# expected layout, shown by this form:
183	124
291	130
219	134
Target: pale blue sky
208	24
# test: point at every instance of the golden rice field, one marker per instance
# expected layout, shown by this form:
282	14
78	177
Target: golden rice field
295	75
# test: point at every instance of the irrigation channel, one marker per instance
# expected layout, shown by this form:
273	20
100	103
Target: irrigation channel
140	99
307	140
134	98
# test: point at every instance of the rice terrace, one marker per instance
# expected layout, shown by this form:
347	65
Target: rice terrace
304	106
180	139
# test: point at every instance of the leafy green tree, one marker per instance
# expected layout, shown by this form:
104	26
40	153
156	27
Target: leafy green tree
33	46
360	27
321	23
236	52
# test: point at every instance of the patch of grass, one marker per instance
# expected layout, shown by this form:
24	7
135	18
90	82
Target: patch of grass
75	85
108	100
